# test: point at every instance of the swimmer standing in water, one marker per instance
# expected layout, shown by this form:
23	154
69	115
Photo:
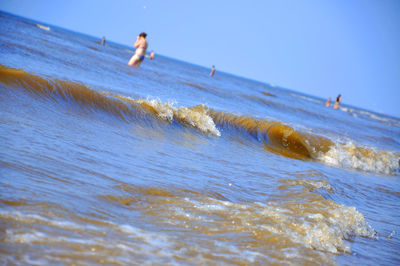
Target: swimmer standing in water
338	99
328	102
212	71
141	46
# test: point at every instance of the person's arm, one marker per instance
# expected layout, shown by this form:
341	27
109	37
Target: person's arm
137	43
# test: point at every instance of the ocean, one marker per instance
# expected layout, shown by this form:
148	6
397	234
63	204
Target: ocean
102	163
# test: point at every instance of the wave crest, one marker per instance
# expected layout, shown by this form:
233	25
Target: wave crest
365	159
277	137
124	107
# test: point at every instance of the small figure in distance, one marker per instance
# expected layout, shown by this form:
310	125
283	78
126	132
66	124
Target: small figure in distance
152	55
212	71
141	46
338	99
103	41
328	102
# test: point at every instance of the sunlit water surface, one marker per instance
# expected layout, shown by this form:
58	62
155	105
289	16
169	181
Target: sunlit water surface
104	163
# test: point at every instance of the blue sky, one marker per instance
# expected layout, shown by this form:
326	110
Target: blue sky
316	47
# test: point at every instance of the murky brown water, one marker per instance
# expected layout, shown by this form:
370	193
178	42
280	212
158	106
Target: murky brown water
106	164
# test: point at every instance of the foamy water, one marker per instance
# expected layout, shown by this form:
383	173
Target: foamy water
101	163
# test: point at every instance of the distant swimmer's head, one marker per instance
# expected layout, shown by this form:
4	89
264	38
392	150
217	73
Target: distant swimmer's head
143	34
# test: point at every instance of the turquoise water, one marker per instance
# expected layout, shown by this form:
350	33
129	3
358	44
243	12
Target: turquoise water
105	163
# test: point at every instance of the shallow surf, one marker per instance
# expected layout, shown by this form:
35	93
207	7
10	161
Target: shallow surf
103	163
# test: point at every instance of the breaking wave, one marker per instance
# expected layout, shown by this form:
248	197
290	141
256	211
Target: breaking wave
124	107
366	159
313	222
277	137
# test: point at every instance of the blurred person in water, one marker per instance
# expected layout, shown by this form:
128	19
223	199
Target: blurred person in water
141	46
328	102
338	99
212	71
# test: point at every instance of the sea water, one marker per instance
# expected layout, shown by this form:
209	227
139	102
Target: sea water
105	163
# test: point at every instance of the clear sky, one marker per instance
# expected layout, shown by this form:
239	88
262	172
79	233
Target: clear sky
317	47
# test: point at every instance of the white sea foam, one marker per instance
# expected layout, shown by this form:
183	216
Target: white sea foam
325	229
314	184
158	240
111	236
366	159
32	236
322	231
195	118
29	218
